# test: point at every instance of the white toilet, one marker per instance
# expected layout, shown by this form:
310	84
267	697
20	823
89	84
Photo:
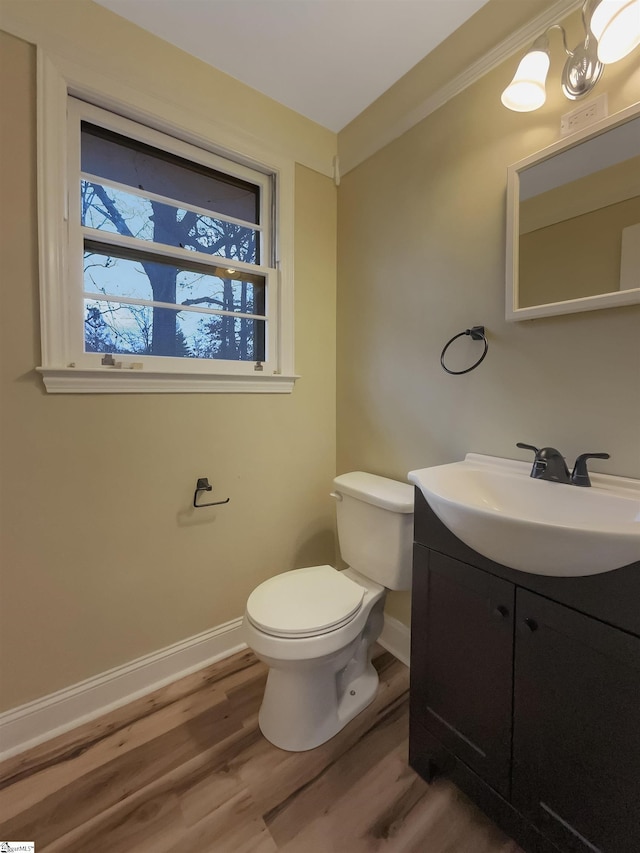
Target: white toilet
315	627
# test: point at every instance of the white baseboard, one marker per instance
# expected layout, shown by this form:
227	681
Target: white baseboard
396	638
45	718
38	721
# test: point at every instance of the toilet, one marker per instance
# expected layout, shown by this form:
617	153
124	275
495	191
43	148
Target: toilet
315	627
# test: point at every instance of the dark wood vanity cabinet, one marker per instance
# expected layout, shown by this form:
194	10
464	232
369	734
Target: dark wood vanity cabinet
465	661
529	703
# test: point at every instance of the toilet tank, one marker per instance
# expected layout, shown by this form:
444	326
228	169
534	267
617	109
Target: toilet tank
375	527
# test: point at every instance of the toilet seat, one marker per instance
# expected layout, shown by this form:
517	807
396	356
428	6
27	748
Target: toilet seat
304	602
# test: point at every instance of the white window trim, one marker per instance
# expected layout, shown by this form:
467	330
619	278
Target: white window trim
57	80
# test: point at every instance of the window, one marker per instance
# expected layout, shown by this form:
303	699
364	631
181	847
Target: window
169	279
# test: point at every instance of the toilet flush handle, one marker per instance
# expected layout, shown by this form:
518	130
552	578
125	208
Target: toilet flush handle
335	495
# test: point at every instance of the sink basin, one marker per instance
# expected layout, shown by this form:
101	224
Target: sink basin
535	526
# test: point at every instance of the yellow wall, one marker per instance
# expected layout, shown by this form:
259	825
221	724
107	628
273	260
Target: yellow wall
421	248
103	560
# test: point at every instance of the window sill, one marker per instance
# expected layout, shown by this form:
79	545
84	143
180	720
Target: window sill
73	380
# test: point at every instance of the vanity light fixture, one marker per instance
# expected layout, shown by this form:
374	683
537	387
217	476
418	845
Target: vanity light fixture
612	31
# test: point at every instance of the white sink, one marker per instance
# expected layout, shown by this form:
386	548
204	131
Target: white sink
536	526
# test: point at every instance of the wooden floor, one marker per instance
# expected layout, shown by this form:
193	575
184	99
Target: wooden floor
186	770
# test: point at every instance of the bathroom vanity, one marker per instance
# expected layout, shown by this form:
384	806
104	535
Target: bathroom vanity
525	691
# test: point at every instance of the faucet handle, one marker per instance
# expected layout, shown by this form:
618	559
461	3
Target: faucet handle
527	447
580	475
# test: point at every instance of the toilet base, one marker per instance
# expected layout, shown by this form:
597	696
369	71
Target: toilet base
304	707
316	716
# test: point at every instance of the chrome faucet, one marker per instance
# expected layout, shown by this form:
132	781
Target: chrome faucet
549	464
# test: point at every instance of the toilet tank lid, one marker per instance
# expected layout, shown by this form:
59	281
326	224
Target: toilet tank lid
379	491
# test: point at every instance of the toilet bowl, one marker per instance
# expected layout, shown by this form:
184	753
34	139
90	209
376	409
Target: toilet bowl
315	627
321	677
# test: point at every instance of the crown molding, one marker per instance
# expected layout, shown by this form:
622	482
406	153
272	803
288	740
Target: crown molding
520	38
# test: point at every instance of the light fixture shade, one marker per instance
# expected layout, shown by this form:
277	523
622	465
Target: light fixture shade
526	92
616	26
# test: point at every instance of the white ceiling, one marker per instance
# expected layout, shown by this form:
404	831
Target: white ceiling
326	59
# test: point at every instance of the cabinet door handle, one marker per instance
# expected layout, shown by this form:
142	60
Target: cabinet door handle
531	624
501	612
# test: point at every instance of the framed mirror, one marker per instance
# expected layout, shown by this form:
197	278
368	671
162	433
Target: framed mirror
573	222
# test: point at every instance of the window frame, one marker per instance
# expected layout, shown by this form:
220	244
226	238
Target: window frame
63	102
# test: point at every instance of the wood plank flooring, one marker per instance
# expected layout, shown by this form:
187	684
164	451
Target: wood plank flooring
186	770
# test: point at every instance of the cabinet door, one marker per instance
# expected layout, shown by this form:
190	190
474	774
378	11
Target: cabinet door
576	771
461	662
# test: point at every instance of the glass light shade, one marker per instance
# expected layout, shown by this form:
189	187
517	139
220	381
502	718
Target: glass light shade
616	26
526	92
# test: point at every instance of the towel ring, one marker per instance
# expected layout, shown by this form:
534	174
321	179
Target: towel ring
477	334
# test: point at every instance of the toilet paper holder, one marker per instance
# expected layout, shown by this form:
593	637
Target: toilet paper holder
203	485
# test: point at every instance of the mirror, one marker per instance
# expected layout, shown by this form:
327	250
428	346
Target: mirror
573	222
